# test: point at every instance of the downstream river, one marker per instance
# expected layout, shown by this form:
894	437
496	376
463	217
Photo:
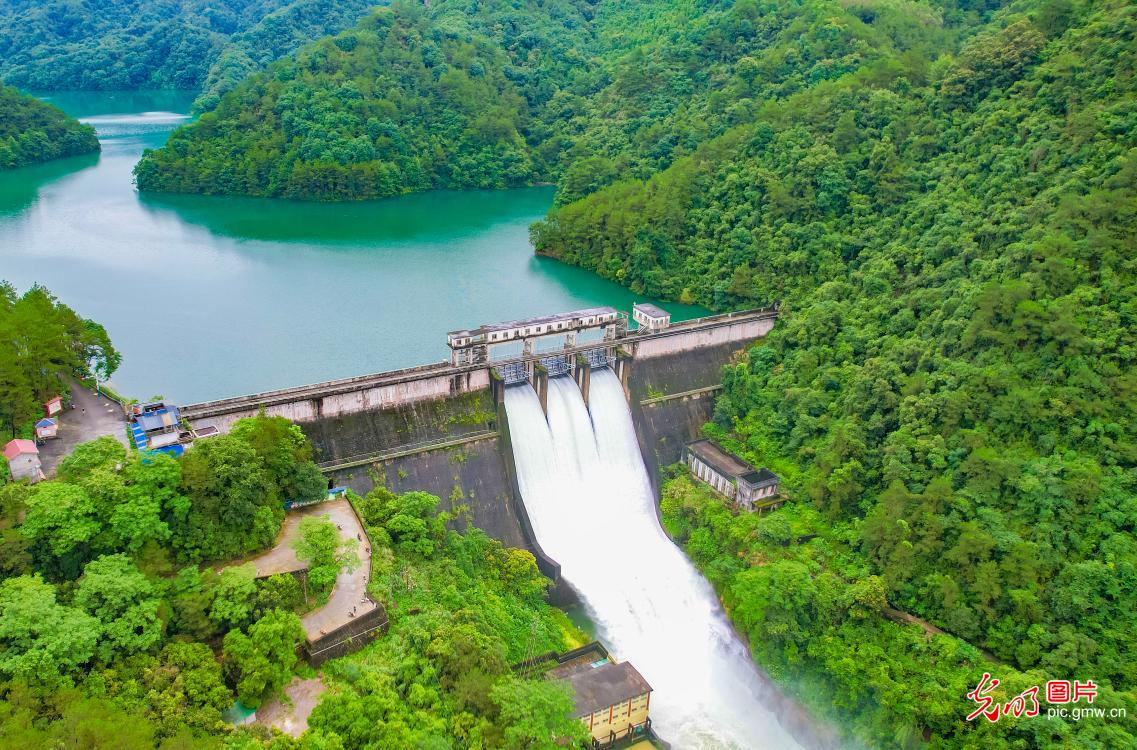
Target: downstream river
212	297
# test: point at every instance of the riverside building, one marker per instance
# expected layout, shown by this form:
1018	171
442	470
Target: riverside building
730	476
611	698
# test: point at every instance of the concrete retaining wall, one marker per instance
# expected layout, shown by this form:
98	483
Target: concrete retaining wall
351	637
665	426
472	474
343	437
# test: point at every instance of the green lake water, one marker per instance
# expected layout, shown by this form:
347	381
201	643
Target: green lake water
213	297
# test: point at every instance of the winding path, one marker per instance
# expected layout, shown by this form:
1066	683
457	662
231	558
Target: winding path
348	599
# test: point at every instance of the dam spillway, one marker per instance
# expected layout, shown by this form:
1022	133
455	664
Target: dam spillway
587	493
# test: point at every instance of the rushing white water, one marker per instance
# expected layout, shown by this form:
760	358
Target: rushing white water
590	501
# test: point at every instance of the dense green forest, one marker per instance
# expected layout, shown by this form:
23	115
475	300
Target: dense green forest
820	619
32	131
357	116
274	36
951	383
42	341
113	635
136	44
496	94
463	609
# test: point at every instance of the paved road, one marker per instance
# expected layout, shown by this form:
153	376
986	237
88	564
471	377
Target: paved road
292	717
92	417
349	596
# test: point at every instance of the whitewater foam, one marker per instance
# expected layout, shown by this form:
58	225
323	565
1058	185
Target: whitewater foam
589	498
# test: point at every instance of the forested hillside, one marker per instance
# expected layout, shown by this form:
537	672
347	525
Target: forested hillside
582	93
390	107
57	45
42	341
113	636
32	131
274	36
951	385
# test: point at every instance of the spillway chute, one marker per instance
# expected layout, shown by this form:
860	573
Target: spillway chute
592	508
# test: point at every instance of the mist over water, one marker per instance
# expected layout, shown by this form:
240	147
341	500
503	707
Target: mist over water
590	501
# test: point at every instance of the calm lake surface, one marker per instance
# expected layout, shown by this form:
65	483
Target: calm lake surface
213	297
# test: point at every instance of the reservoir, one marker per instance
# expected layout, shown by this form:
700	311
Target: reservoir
208	297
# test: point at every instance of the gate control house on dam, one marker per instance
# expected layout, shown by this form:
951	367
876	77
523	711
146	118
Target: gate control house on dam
487	342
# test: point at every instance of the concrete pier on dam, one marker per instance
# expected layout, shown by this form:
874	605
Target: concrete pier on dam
441	428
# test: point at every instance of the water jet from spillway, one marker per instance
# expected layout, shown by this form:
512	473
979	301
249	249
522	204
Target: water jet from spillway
588	496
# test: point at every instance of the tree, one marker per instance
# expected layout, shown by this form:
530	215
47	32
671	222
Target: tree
102	502
260	663
15	556
101	453
42	343
233	596
537	714
98	724
41	640
186	687
280	591
190	597
119	596
320	544
410	520
234	506
61	518
285	454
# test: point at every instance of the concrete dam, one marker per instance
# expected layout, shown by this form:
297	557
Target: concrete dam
442	428
552	431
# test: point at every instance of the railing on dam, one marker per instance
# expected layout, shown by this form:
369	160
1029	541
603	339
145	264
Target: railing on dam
683	326
313	390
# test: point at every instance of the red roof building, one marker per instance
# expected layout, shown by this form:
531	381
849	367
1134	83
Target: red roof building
23	460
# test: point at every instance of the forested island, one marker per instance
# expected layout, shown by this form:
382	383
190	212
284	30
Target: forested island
33	131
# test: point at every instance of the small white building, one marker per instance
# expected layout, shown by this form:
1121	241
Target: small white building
747	487
650	317
53	405
23	460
